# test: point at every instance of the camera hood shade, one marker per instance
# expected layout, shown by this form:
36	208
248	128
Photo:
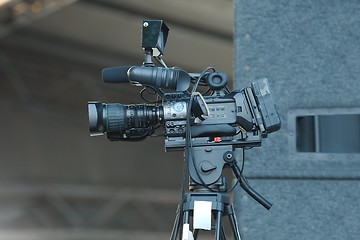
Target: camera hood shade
95	111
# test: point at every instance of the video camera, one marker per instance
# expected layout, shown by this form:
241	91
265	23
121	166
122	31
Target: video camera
216	116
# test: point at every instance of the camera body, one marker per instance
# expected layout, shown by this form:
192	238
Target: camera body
207	125
240	118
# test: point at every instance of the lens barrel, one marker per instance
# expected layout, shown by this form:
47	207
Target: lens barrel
117	118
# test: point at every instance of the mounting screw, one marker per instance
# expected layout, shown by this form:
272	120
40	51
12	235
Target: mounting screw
228	156
145	24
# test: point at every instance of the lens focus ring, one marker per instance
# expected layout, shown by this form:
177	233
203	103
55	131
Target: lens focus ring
116	121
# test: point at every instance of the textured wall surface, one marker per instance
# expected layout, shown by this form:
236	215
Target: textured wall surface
310	52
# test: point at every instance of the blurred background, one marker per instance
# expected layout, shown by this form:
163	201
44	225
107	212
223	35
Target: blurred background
57	182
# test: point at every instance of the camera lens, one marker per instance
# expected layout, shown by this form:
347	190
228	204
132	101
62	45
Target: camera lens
117	118
106	118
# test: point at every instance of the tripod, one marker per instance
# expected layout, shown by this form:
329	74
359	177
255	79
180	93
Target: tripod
220	206
206	186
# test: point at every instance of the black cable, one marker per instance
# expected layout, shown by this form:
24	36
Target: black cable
188	146
243	161
188	132
241	170
152	91
200	77
248	189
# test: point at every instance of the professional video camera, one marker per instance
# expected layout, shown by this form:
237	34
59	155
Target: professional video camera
240	118
208	125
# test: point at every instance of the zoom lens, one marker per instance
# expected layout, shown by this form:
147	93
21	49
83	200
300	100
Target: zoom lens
118	118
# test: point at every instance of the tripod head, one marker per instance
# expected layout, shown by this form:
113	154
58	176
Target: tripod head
206	166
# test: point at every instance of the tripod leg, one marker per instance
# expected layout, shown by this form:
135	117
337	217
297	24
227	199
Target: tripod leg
222	232
196	232
233	222
223	236
186	221
175	230
177	225
218	227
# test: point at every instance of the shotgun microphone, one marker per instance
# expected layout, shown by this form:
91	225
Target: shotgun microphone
168	78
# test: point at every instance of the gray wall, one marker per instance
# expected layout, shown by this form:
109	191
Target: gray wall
310	52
